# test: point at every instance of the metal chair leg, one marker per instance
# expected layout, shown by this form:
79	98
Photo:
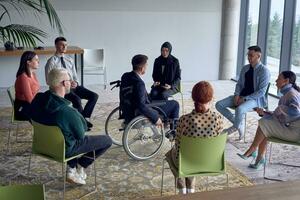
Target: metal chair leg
8	142
162	177
28	170
245	127
64	177
182	103
227	180
95	171
270	153
175	184
206	183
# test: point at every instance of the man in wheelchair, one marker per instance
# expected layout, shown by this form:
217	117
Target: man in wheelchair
134	99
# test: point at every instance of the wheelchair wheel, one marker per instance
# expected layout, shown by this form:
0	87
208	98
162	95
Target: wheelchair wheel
142	139
114	127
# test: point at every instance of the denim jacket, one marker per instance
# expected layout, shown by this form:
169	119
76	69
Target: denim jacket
261	80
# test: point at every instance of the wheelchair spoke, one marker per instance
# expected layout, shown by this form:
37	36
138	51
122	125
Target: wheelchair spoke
142	140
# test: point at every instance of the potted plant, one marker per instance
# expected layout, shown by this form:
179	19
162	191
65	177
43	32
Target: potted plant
22	34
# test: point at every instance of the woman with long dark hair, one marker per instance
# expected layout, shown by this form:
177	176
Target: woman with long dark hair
201	122
283	123
26	85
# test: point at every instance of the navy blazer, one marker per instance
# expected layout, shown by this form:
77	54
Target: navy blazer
139	98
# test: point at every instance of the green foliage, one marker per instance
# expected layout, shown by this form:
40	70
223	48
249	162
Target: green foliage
296	44
26	35
274	36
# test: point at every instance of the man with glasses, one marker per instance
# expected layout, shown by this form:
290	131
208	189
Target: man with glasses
51	108
249	92
61	60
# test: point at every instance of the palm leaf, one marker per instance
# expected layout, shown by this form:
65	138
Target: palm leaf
22	35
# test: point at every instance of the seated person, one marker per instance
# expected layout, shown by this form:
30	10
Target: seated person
166	74
61	60
50	108
139	97
283	123
201	122
249	92
26	85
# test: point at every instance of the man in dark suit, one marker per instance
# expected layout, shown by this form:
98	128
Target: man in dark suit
166	74
138	98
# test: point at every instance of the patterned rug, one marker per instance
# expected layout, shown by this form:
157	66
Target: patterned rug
118	176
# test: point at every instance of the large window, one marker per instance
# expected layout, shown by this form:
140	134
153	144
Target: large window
274	39
295	57
252	26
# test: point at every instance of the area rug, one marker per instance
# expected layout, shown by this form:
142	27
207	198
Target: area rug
118	176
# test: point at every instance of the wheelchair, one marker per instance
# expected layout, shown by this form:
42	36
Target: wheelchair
140	138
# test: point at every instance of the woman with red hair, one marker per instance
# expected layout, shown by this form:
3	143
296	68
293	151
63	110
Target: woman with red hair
201	122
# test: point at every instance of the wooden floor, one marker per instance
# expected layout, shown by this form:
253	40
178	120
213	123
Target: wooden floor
289	190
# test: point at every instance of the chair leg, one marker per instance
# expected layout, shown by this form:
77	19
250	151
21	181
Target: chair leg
162	177
28	170
95	175
227	180
64	177
8	142
182	103
175	184
270	153
105	79
206	183
17	132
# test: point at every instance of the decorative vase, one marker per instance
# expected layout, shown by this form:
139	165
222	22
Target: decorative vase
9	46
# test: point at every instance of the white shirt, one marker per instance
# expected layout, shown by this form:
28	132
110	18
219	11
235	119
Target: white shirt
55	62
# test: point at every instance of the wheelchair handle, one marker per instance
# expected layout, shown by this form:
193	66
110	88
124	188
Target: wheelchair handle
115	83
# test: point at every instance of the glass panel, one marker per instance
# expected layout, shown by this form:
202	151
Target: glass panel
252	26
274	41
296	44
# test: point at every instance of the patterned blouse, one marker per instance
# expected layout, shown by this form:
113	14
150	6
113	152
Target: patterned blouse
209	124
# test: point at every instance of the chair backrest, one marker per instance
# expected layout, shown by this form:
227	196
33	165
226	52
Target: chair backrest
12	94
94	58
48	141
24	192
201	155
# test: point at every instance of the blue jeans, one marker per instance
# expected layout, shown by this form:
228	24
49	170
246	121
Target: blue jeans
237	118
97	143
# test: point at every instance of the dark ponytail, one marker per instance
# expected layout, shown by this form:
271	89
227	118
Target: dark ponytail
292	79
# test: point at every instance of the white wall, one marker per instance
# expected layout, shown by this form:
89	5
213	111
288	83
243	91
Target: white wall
127	27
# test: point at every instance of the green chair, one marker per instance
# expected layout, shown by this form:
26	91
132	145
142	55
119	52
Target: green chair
22	192
199	157
48	142
272	140
14	121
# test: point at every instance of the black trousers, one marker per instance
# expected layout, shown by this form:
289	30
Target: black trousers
22	110
79	93
160	93
97	143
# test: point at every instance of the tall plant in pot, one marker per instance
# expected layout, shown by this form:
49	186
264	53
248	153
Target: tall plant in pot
22	34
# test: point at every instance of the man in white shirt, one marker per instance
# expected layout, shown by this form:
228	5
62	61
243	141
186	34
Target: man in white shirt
61	60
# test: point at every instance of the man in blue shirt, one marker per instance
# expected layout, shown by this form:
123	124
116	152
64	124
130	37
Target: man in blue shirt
249	92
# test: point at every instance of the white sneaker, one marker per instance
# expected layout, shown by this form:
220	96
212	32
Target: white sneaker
182	191
190	190
74	177
81	172
230	130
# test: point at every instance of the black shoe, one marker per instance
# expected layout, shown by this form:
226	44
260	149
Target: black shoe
89	124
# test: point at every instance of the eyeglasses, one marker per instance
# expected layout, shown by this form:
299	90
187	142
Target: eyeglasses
66	80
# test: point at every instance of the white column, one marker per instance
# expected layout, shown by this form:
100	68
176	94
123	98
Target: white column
229	38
